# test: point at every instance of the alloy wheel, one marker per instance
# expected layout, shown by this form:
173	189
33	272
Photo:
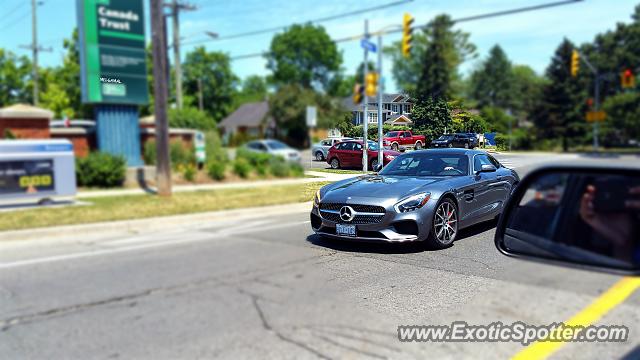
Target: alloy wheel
319	156
374	163
335	164
418	146
445	223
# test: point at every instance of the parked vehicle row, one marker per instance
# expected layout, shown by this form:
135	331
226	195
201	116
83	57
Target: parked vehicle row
348	154
458	140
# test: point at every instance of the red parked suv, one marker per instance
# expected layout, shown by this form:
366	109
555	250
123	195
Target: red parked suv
348	154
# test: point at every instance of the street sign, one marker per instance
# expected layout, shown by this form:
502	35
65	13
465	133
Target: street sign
112	51
312	116
596	116
366	44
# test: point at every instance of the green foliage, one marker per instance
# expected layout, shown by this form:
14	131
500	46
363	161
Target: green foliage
279	168
303	55
9	135
150	152
100	170
492	84
181	155
445	50
623	119
189	172
527	91
521	139
213	147
497	119
241	167
56	100
15	74
431	118
465	121
219	83
216	169
190	118
254	89
288	108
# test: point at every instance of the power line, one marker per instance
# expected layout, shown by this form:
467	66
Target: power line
318	20
463	19
16	20
14	9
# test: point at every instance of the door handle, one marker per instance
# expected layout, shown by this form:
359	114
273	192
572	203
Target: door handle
469	195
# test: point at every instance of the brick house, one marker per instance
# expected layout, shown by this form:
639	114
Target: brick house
25	122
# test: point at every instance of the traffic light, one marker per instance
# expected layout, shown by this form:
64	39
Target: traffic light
358	93
371	84
627	79
575	63
407	34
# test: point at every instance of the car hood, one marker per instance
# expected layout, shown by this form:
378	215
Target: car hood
381	187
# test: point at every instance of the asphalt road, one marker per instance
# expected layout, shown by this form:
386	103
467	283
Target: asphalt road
260	285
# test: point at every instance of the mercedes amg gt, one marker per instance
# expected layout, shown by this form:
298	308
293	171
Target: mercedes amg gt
426	195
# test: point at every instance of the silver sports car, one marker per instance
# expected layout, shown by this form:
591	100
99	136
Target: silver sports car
422	195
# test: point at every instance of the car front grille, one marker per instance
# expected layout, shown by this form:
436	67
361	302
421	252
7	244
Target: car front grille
329	211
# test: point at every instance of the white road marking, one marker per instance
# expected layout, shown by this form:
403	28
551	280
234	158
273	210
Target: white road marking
198	237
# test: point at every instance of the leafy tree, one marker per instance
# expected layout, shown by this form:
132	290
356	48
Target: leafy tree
492	83
342	85
218	81
497	119
432	117
623	118
559	115
288	107
305	55
527	91
57	100
463	120
254	88
15	72
191	118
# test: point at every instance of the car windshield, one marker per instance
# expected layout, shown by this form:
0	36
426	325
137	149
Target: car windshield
276	145
391	134
428	164
445	137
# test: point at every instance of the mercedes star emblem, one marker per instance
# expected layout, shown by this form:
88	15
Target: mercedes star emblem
347	213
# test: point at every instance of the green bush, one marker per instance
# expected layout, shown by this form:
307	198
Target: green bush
190	118
189	172
101	170
297	170
242	168
150	152
216	169
213	147
279	167
180	155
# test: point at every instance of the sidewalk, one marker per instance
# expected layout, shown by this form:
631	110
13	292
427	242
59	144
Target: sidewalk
320	177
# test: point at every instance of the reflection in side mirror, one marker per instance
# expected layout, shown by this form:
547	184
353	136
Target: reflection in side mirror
587	217
487	168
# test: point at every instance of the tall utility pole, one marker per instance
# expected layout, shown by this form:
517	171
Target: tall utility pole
35	48
160	65
176	7
380	92
365	100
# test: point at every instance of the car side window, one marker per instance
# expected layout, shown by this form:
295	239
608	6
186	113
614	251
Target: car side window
357	147
495	162
253	146
261	147
326	143
407	134
480	160
346	146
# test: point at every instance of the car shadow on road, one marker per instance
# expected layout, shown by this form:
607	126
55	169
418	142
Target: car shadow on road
393	248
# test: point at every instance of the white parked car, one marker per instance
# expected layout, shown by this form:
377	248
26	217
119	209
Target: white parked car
319	151
274	147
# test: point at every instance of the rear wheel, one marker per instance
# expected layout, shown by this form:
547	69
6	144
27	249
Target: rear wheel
444	227
335	163
374	163
394	146
319	156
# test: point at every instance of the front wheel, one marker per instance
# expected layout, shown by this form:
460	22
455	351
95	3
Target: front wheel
418	145
444	227
335	163
374	164
394	147
319	156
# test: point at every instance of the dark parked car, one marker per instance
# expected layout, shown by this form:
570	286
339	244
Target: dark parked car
465	140
348	154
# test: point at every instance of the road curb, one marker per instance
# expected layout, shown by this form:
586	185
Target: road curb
107	229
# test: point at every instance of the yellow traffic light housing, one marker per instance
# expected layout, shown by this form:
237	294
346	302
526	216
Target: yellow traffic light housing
575	63
358	93
371	84
627	79
407	34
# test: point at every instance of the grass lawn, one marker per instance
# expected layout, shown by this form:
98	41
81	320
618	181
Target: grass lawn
145	206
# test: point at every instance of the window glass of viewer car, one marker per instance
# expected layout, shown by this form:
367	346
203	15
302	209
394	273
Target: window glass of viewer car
480	160
495	162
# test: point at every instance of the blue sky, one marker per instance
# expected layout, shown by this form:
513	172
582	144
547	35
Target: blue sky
528	38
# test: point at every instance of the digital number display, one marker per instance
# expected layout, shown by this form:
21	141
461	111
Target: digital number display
26	176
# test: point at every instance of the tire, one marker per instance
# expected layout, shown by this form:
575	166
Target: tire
319	156
373	165
418	145
450	146
466	145
394	146
444	227
335	163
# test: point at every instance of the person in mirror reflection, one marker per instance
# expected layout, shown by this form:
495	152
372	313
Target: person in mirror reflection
620	228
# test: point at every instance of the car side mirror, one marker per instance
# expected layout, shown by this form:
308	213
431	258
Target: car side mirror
486	168
575	216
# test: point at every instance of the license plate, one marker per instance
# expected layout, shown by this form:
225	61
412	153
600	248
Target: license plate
346	230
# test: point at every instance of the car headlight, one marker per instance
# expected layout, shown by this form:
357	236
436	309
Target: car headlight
412	202
316	199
